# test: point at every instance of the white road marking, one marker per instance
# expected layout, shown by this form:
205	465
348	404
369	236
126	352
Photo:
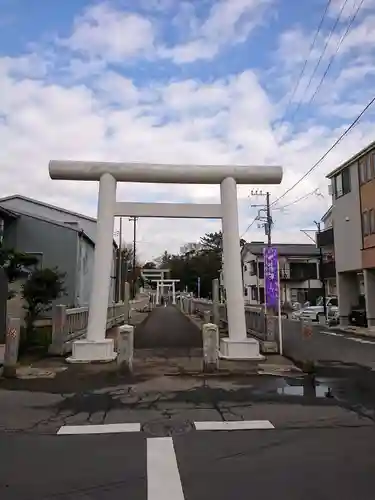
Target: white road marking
163	477
234	425
334	334
361	341
99	429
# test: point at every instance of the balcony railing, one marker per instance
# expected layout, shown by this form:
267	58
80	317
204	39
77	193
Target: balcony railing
297	275
325	238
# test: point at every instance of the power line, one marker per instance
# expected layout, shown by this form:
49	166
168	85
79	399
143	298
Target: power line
352	19
304	197
315	191
250	226
312	45
316	164
333	29
267	219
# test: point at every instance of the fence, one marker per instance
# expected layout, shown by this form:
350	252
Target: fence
71	324
303	343
263	327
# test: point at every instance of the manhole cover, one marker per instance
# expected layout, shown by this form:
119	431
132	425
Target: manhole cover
162	428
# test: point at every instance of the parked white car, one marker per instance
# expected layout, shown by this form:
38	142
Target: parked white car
313	313
297	314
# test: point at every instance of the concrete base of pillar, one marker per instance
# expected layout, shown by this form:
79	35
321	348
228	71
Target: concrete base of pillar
88	351
246	349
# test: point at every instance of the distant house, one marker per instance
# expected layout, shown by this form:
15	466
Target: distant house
58	238
326	241
299	272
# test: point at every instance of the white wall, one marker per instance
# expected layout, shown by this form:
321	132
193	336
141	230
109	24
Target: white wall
347	227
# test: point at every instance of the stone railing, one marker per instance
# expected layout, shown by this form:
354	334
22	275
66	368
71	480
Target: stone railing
263	327
71	324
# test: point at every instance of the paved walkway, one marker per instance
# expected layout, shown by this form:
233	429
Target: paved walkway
167	327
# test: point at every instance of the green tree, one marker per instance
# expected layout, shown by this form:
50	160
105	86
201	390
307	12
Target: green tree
39	291
204	264
15	264
149	265
165	260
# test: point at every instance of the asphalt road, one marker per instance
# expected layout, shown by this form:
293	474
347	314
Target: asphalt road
167	327
316	464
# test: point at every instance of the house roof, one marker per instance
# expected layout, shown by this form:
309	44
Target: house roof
286	249
8	213
43	204
54	207
352	159
77	229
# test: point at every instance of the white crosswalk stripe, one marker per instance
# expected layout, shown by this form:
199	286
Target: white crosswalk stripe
234	425
136	427
163	477
98	429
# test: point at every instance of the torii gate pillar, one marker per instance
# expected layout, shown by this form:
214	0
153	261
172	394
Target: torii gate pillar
96	346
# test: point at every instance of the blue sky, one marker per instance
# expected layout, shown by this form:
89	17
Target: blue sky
182	82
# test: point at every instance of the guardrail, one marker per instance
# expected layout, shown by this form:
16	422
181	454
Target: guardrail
71	324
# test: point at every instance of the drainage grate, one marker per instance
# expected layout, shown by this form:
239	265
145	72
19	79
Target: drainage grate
163	428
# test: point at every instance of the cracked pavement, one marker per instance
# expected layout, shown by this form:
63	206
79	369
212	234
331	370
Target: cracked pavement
184	400
323	428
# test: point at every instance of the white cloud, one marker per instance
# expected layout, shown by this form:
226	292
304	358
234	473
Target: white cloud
228	22
227	121
45	121
348	8
111	34
117	88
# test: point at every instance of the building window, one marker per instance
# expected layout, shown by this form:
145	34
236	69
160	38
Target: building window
365	223
372	220
342	183
245	267
245	291
368	168
338	186
362	171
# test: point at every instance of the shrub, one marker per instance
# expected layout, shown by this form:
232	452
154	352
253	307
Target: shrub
39	291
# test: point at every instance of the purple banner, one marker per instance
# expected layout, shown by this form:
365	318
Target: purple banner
270	276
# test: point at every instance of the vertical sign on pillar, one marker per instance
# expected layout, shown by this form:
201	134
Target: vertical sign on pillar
271	276
272	288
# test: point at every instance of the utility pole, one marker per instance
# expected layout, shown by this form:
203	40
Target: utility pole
134	219
321	273
269	219
120	263
267	223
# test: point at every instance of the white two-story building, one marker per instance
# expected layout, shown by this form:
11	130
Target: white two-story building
299	272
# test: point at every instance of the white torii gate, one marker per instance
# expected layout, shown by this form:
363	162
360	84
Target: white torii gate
96	346
165	282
